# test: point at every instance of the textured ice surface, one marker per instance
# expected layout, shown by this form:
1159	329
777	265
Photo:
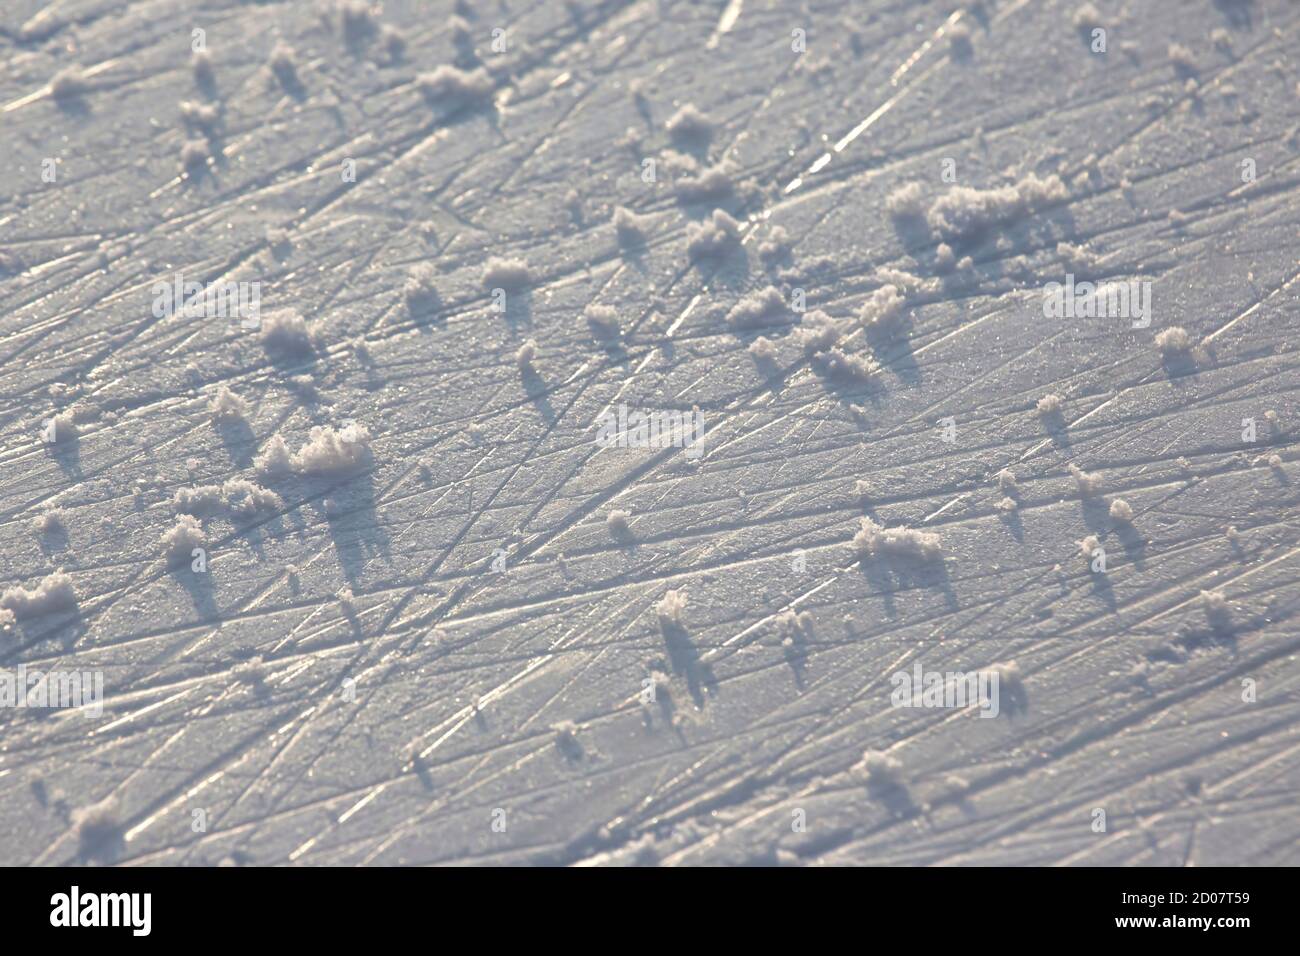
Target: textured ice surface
439	622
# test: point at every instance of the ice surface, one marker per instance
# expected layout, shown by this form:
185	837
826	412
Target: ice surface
431	594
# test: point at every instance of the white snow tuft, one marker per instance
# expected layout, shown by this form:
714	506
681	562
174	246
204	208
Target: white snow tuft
285	331
603	320
762	349
330	452
1087	546
776	245
1088	484
392	41
49	521
1010	678
203	115
817	331
708	184
879	769
566	738
836	363
874	539
201	499
195	154
714	236
97	823
357	21
527	352
508	274
460	87
670	607
764	307
66	421
964	211
246	497
945	260
420	291
275	458
906	283
1173	341
689	123
793	624
906	202
1077	259
883	309
1215	604
54	593
226	406
1183	59
179	541
617	523
1086	16
631	228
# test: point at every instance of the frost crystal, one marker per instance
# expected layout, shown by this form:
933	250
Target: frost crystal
53	593
875	540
